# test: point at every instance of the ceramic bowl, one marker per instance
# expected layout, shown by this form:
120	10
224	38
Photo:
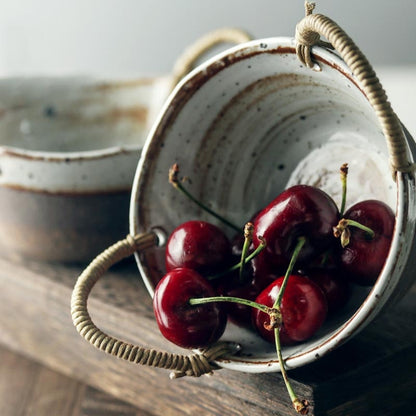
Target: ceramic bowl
68	152
245	125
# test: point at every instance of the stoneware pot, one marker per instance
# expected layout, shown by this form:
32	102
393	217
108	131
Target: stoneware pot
68	152
242	127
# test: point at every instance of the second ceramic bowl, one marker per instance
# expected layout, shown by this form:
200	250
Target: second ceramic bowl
68	151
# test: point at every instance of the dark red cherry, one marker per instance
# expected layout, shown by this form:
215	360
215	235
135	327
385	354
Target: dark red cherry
363	258
198	245
335	287
237	313
301	210
186	325
247	288
303	309
265	273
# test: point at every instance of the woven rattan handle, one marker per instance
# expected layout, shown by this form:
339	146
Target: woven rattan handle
190	56
308	32
181	365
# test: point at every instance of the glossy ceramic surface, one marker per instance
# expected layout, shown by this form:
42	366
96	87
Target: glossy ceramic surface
250	122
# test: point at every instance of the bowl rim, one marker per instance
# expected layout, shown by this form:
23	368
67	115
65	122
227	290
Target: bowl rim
80	79
387	280
50	156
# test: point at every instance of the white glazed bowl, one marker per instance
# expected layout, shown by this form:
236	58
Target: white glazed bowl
68	152
245	125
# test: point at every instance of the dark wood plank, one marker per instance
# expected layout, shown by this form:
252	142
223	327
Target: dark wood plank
35	320
98	403
16	383
28	388
39	325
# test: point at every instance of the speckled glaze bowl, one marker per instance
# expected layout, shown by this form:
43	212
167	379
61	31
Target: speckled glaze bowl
68	152
245	125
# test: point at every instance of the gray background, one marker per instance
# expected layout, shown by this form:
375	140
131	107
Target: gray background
143	37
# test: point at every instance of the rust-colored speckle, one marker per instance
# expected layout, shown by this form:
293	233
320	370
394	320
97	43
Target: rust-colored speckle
108	86
135	113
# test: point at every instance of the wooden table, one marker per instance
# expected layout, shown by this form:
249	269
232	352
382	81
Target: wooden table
372	374
29	388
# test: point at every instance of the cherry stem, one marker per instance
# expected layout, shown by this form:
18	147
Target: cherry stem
248	237
246	260
343	174
341	230
325	258
266	309
296	251
275	318
299	405
356	224
176	183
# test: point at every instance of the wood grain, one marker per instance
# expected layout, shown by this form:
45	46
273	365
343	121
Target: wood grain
35	321
29	389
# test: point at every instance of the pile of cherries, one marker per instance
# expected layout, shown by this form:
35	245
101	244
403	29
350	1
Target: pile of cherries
288	270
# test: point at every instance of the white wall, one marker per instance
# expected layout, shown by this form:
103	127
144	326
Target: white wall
132	37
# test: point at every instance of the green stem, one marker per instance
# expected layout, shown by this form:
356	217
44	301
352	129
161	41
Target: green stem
173	179
301	407
356	224
325	258
246	260
241	301
248	237
343	174
298	247
342	231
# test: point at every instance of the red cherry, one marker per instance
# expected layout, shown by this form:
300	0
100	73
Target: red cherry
301	210
198	245
264	273
363	257
303	310
237	313
334	286
249	288
189	326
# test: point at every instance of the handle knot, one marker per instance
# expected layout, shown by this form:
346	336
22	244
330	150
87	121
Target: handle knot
308	31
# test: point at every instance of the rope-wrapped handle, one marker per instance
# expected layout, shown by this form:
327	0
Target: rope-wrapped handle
202	362
308	32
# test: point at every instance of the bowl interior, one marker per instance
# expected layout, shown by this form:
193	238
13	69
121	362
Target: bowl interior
242	127
77	114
